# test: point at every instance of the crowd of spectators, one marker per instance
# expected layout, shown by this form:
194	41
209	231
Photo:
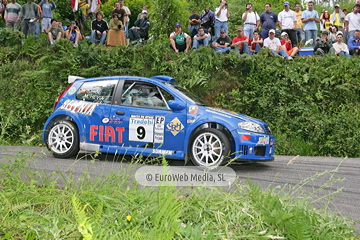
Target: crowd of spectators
339	30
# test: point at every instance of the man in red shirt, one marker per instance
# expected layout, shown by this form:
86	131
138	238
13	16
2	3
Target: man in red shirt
241	42
256	43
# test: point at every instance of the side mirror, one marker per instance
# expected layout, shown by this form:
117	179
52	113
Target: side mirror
176	105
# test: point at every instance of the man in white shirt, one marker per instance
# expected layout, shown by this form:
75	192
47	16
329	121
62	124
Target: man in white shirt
251	21
221	18
128	13
275	46
287	19
340	48
94	8
352	21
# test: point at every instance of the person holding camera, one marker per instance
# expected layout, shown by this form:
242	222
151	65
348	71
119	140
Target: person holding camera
73	34
251	21
116	35
55	31
221	18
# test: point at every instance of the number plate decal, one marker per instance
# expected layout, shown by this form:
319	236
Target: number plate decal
263	140
141	128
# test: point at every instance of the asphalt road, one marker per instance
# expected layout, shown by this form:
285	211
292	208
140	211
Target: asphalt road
286	171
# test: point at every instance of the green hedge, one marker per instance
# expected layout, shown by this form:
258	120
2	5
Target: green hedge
311	103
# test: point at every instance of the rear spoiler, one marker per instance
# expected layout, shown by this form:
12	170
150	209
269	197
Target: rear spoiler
72	79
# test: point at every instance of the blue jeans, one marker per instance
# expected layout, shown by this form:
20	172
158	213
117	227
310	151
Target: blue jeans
257	48
218	26
350	35
127	30
344	54
249	30
37	29
299	34
219	49
280	53
311	34
197	43
94	36
245	49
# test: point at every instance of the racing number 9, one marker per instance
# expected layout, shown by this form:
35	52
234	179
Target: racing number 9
141	132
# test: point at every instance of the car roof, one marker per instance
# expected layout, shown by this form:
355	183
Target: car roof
154	79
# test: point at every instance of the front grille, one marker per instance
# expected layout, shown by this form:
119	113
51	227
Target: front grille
267	129
243	149
260	151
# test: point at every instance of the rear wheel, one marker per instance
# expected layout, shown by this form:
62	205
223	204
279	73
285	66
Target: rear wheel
63	139
209	148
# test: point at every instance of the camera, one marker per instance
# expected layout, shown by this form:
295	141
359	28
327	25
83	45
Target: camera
226	4
247	9
75	27
119	26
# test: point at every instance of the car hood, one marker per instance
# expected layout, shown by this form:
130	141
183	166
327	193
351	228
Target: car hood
232	114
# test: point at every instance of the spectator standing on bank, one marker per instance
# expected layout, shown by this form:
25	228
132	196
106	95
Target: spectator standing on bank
12	15
268	20
338	18
221	17
38	21
299	27
310	17
29	13
352	21
94	8
208	20
251	21
287	20
47	6
126	18
120	12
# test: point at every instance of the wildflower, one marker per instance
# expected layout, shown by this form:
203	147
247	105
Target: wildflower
11	111
128	217
27	127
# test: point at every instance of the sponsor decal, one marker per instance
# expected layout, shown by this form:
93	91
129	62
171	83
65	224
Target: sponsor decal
190	121
193	109
86	108
72	90
243	133
117	121
263	140
229	111
141	128
105	120
175	126
106	133
163	152
159	130
218	113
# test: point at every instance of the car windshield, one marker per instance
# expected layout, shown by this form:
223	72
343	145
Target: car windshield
189	96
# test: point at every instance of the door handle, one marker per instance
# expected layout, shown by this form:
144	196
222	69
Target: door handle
120	112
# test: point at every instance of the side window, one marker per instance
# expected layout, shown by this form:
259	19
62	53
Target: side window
97	91
139	94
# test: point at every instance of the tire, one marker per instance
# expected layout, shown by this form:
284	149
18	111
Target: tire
63	139
209	148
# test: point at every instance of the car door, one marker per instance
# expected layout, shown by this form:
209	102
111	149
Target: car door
148	124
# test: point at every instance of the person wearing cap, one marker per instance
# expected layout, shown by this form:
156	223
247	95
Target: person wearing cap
286	42
144	7
340	48
251	21
179	41
140	29
268	20
47	6
354	43
256	43
310	17
115	35
73	34
323	45
275	46
201	38
352	21
221	17
222	44
99	28
287	19
338	17
299	27
241	42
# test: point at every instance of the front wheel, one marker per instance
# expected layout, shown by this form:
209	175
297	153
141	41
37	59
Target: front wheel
63	139
209	148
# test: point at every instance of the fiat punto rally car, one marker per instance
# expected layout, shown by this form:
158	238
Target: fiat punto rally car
151	116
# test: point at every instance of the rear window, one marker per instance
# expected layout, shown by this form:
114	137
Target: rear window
97	91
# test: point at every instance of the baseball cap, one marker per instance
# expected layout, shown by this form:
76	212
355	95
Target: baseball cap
337	5
222	30
286	3
357	5
144	11
325	32
284	33
240	29
339	33
178	24
73	22
272	31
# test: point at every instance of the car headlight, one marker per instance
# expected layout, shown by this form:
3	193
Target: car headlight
251	126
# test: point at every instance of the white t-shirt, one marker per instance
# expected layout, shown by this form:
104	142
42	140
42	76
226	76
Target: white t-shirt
127	10
273	44
93	5
287	19
222	17
341	47
251	17
354	21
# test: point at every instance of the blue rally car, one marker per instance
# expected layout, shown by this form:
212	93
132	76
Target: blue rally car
151	116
